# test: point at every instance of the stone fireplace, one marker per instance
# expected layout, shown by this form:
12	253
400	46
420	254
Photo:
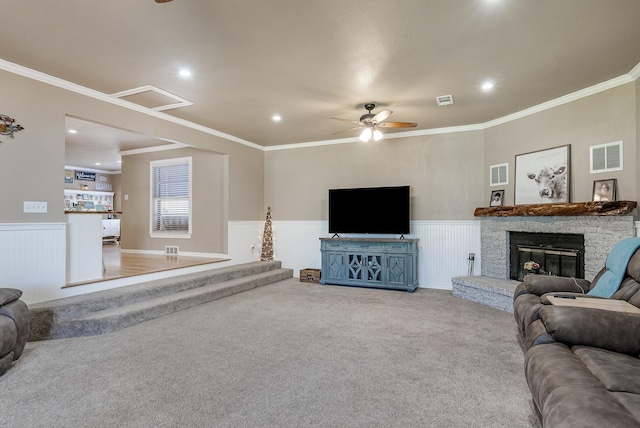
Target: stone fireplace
600	233
582	235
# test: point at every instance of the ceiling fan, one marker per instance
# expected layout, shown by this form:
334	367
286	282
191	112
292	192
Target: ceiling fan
371	122
163	1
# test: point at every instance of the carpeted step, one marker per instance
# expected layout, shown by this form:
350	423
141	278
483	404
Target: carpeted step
110	310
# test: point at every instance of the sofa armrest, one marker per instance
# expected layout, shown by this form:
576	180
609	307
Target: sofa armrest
615	331
541	284
8	295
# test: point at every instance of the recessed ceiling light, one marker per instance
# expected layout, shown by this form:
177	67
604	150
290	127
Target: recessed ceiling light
73	131
98	163
185	73
276	118
487	86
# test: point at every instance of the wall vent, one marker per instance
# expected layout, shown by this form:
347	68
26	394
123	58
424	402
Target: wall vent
171	250
606	157
499	174
444	100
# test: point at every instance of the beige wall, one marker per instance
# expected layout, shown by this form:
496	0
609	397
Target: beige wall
209	212
601	118
448	173
445	172
32	164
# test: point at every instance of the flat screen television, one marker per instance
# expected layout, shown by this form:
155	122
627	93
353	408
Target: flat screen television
371	210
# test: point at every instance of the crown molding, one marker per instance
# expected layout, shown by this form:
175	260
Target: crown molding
153	149
630	77
406	134
574	96
635	72
69	86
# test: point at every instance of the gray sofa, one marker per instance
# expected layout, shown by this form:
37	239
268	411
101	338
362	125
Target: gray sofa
14	327
581	364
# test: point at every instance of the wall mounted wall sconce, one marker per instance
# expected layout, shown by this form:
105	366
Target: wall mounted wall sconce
8	126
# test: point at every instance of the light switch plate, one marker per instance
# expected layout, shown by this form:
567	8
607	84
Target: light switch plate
35	207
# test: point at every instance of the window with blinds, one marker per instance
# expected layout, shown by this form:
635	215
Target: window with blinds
171	197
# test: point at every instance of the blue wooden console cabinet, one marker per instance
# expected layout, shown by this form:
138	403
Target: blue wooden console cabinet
370	262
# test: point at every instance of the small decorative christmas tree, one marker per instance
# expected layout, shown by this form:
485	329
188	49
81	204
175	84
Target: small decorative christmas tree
267	240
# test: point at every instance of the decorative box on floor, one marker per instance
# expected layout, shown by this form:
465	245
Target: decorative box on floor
310	275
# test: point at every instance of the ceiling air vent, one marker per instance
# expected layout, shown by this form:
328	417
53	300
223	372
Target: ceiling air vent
444	100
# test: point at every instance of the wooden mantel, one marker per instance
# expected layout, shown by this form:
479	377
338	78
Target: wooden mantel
565	209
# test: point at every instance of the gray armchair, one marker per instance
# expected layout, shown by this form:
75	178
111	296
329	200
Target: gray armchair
14	327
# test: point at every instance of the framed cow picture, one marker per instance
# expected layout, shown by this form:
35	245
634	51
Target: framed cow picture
543	177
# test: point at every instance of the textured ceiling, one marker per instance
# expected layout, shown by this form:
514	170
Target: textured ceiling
312	60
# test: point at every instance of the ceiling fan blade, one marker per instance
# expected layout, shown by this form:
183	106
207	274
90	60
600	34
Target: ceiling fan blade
345	130
381	116
397	125
163	1
346	120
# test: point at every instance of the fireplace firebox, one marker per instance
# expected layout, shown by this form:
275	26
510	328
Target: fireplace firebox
559	254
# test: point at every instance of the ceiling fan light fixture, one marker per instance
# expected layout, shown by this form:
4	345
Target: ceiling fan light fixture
377	135
366	134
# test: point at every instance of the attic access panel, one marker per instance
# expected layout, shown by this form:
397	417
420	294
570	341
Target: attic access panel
153	98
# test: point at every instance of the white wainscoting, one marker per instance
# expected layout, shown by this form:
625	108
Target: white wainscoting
443	250
443	247
33	255
33	259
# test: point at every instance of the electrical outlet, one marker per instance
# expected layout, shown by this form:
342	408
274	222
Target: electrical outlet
34	207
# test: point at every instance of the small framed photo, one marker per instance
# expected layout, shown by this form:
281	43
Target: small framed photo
604	190
497	198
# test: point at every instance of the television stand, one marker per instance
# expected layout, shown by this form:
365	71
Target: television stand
370	262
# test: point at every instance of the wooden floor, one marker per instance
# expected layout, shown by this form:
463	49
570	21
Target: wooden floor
119	264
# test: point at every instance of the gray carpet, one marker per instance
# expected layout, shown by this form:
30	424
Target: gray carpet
289	354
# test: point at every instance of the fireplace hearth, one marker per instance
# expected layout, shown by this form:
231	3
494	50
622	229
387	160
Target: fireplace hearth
558	254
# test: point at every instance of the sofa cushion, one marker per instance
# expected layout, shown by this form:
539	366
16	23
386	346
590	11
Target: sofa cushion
616	331
551	366
628	289
630	401
617	372
8	295
571	406
541	284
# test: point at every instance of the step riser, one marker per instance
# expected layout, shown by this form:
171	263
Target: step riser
180	301
170	287
133	294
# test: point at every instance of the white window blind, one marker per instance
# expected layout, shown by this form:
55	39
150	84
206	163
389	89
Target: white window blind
171	196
